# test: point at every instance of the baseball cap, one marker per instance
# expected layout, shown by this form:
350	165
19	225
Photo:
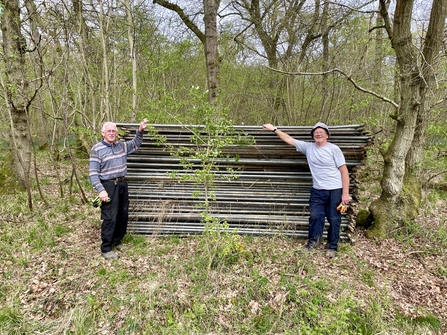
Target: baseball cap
320	125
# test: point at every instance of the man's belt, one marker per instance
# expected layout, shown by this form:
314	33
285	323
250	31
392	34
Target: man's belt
115	180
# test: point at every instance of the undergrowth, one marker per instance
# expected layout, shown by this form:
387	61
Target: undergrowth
54	281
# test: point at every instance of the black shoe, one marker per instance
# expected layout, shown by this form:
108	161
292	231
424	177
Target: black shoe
110	255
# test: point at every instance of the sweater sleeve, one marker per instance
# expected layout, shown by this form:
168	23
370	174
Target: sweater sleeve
94	171
134	143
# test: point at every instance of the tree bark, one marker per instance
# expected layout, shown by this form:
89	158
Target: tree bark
133	58
212	56
324	112
90	86
16	87
404	155
209	40
105	82
433	41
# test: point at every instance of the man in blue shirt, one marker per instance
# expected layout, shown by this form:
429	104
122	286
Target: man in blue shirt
330	184
108	167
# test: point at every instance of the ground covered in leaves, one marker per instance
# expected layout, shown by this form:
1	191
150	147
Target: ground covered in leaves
54	280
57	281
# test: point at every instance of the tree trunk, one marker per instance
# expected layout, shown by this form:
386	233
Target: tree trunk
16	86
105	85
433	41
209	39
88	98
324	112
401	187
376	106
212	57
133	58
272	22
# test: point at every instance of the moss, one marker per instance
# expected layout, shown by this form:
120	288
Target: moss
411	196
382	213
8	181
388	215
364	218
376	231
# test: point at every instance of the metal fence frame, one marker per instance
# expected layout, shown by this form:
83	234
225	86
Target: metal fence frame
269	197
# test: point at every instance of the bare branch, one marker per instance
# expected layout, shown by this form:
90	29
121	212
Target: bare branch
383	8
439	102
186	20
357	86
374	28
358	10
435	175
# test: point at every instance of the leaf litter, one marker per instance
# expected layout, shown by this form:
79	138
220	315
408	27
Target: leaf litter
59	277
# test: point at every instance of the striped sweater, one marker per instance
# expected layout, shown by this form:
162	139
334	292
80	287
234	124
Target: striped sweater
110	161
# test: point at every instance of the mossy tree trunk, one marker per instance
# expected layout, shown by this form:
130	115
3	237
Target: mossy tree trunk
401	185
16	87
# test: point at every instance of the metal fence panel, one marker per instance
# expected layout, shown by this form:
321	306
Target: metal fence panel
269	196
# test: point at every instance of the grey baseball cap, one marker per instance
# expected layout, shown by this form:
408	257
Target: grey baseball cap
320	125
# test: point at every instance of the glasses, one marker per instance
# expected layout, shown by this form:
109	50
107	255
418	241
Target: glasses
319	133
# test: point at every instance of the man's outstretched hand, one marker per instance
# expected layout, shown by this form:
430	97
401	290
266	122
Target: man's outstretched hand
143	125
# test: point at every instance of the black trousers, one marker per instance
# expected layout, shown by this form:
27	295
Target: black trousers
114	214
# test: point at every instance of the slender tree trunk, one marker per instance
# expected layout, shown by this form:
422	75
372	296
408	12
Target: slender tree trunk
16	87
211	41
133	58
413	182
430	63
376	106
88	91
35	22
103	29
324	113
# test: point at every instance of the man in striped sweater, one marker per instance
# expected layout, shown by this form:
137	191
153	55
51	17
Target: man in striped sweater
108	167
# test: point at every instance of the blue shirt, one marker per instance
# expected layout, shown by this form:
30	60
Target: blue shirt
109	161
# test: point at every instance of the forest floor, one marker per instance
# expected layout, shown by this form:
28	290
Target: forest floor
51	269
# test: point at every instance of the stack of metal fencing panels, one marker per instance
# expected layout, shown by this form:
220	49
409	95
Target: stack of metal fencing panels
258	189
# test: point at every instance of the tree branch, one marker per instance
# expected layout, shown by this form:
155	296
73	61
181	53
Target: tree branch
186	20
435	175
348	77
358	10
439	102
383	8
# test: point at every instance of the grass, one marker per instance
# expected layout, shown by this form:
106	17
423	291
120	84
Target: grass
164	286
54	281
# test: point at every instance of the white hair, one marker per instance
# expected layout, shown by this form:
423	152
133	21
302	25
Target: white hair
104	126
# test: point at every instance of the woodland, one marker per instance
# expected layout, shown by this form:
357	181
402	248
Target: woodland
70	66
67	66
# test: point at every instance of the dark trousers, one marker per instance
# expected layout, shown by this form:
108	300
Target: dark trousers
114	214
323	204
